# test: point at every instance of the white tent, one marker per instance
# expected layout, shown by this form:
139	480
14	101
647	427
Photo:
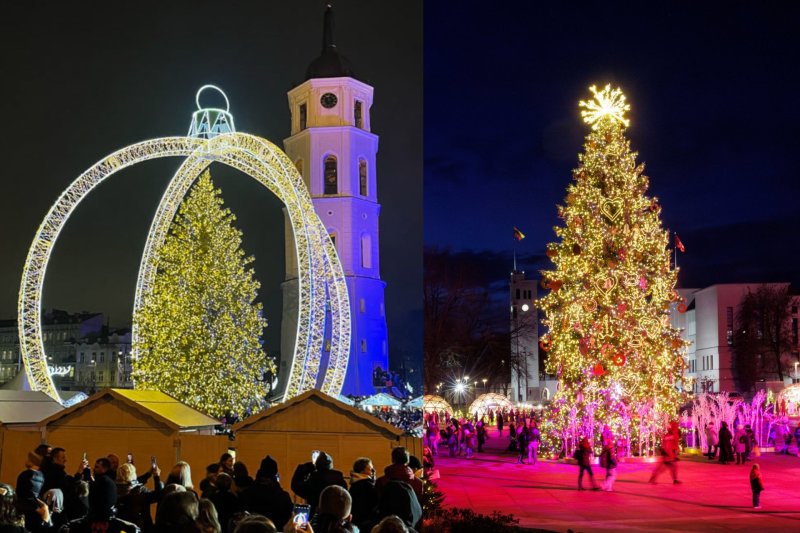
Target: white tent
490	400
436	403
382	400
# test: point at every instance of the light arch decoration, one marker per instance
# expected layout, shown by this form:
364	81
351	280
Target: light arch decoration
212	138
490	400
433	403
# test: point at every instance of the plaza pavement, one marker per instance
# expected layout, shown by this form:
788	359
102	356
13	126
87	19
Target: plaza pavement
544	496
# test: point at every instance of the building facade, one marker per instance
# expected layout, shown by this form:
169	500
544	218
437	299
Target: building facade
524	324
708	322
334	150
60	333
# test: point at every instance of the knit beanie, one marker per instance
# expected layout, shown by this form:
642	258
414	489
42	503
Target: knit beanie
102	497
268	469
324	461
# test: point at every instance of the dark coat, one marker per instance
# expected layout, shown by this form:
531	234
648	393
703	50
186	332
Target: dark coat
308	482
110	525
134	501
399	473
725	449
365	503
266	497
398	499
226	504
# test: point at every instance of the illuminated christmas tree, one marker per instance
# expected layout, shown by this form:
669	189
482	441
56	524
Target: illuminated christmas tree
200	326
610	342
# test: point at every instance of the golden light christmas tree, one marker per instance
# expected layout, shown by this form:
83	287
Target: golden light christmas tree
610	343
200	327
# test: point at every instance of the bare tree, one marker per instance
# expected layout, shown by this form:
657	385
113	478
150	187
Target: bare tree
763	334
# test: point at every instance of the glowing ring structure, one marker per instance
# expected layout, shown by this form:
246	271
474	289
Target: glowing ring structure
321	279
220	91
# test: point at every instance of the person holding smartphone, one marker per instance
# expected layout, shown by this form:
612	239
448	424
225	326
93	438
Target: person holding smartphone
310	479
266	497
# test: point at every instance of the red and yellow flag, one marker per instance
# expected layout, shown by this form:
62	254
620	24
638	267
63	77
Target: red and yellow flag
518	235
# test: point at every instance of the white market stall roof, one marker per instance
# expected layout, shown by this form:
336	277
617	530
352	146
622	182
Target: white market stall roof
436	403
382	400
416	403
344	399
26	407
490	400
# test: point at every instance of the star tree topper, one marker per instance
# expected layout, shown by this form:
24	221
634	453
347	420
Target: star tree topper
606	103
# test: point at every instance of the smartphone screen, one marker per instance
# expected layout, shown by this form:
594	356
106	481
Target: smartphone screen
301	515
85	457
130	458
153	461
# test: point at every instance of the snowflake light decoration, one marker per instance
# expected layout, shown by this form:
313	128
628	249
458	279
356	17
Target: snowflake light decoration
606	103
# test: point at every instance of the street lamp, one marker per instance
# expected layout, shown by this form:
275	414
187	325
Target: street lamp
484	383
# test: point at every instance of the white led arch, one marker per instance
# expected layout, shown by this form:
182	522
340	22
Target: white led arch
321	281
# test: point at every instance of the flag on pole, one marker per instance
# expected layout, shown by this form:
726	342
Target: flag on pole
518	235
678	244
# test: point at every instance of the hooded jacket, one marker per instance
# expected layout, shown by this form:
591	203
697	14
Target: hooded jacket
399	473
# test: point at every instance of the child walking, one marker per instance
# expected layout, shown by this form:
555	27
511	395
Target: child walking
757	485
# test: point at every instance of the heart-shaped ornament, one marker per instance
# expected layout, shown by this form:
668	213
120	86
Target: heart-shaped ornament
611	208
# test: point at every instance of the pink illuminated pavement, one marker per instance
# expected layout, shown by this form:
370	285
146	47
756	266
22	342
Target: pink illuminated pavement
712	497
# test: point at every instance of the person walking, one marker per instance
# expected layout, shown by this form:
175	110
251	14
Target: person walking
608	458
523	438
712	437
740	444
533	443
669	451
756	485
725	449
499	423
481	429
584	455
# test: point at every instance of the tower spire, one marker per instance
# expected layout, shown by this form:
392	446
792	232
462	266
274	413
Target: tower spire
327	29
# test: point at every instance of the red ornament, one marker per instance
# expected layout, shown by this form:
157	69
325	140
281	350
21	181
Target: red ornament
682	307
555	285
545	344
620	359
598	370
551	253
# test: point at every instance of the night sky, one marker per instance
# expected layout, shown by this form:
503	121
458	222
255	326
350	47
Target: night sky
715	116
81	80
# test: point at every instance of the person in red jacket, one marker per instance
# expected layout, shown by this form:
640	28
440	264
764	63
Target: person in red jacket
670	446
400	471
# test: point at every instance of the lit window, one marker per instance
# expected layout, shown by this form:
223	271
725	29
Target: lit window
357	114
303	116
331	176
362	177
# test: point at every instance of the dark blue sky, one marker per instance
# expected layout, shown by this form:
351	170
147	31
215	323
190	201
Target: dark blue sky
715	116
81	80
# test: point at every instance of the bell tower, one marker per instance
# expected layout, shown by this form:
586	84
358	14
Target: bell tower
333	148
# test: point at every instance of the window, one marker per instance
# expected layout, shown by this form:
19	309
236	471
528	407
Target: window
331	176
794	331
517	298
102	357
363	345
366	250
100	376
729	316
362	305
112	377
362	177
303	116
357	114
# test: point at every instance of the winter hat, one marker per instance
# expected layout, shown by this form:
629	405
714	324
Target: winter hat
102	497
324	461
268	469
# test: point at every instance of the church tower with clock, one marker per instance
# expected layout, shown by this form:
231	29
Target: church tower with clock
334	150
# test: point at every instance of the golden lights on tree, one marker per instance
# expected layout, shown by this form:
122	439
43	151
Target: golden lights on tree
610	342
200	328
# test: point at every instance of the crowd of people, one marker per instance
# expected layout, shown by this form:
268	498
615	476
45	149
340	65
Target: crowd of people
113	497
